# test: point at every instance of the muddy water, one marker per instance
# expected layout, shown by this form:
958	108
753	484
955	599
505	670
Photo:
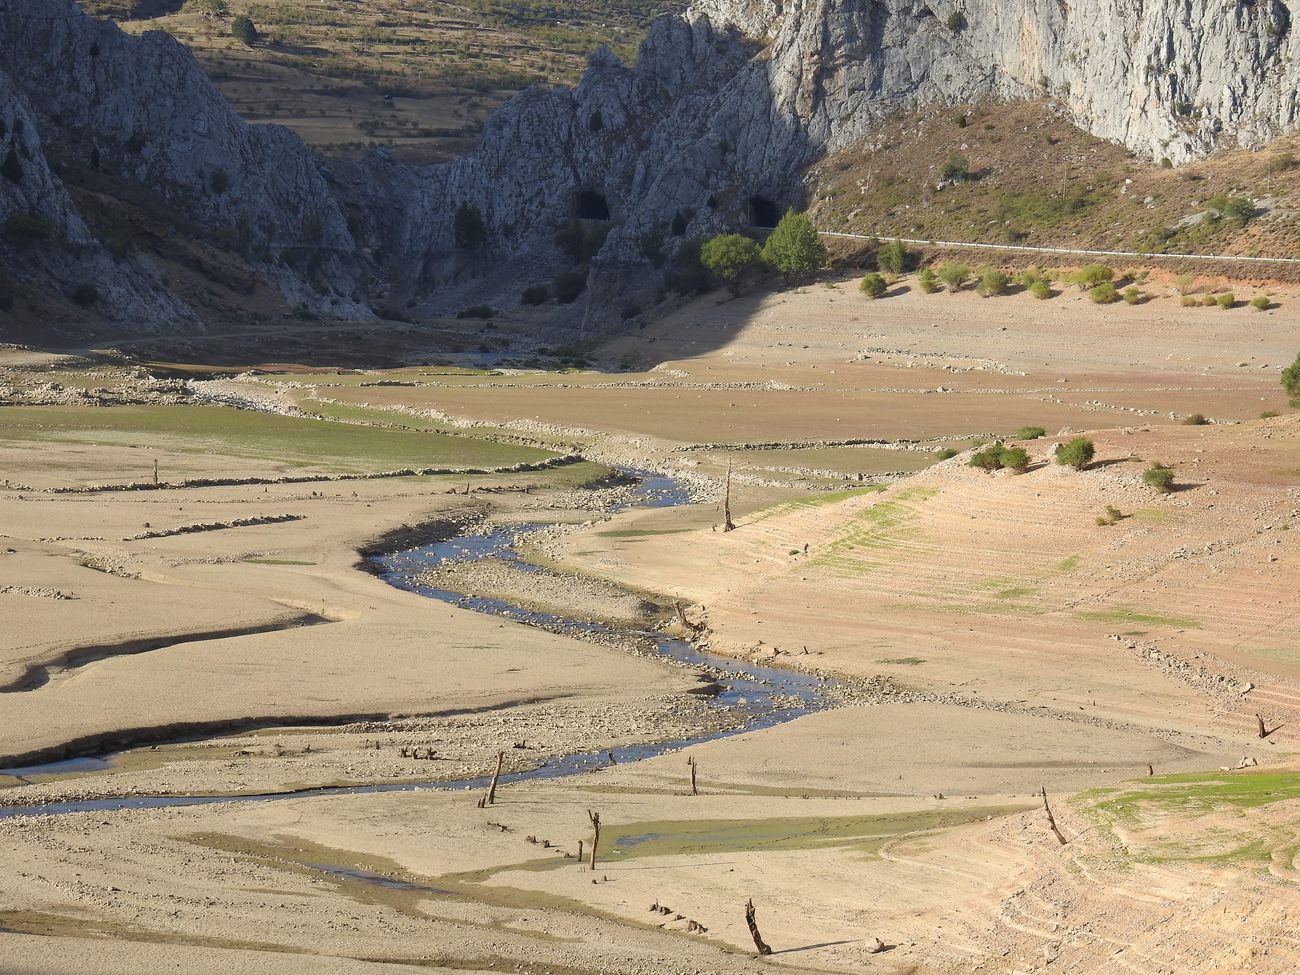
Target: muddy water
765	696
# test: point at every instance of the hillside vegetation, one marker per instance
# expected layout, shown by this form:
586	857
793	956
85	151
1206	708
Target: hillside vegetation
324	68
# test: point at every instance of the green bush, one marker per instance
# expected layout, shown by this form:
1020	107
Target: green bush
794	248
1160	477
1281	162
689	275
1078	453
926	280
569	285
1091	275
954	275
1291	379
991	282
946	453
1232	207
537	294
988	459
1261	303
1132	296
731	257
1226	300
873	285
581	240
468	228
1187	301
1015	459
892	257
1029	433
24	228
1040	289
1104	294
955	170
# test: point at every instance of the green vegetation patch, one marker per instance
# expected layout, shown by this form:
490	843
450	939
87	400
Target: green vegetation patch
713	836
294	441
1130	614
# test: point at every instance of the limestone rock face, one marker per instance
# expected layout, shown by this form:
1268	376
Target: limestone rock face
47	241
142	111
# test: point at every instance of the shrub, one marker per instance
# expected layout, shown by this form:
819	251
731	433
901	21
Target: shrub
946	453
1195	420
873	285
956	21
1291	379
892	257
926	280
1103	294
1185	283
12	168
1160	477
954	170
468	228
630	311
1091	275
730	257
1226	300
243	29
219	180
1261	303
1040	289
581	240
1232	207
569	285
1078	453
991	282
476	311
537	294
954	275
1029	433
988	459
1281	162
23	228
1132	296
1187	301
794	248
689	275
85	294
1015	459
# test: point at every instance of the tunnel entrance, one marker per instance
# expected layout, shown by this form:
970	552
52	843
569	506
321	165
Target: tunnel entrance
590	205
763	213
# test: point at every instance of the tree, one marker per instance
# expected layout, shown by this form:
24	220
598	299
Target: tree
1291	379
243	29
873	285
731	257
954	275
892	257
689	275
1078	453
794	248
468	228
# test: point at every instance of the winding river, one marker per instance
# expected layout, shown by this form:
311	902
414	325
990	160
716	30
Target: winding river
767	696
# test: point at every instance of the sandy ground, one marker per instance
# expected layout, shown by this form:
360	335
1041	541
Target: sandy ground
1030	648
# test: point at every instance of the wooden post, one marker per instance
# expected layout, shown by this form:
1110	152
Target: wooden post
595	839
579	852
1263	733
1051	820
492	789
691	762
727	524
155	472
759	943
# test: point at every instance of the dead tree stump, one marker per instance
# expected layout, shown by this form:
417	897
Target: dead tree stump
691	762
727	524
1051	820
595	839
492	789
752	921
1263	731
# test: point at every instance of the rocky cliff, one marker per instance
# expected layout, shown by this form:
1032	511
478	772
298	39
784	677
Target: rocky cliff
713	126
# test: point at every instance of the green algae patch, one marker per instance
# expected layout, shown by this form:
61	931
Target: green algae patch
1132	614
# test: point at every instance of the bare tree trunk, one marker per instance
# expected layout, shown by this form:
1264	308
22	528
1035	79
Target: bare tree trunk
759	943
691	762
681	618
1051	820
155	472
580	852
492	789
1263	733
727	524
595	839
1151	769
